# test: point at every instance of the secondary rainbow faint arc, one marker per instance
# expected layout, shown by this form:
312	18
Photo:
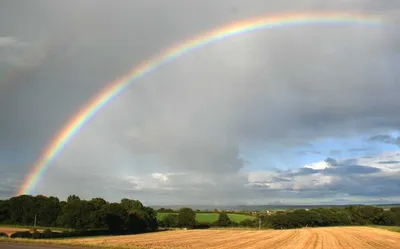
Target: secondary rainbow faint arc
116	87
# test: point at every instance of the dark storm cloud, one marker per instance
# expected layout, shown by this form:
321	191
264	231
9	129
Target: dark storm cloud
348	167
352	169
387	139
9	182
181	127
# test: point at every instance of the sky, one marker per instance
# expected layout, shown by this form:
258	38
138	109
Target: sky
293	115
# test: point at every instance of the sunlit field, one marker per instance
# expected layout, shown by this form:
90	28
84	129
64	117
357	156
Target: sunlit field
305	238
211	217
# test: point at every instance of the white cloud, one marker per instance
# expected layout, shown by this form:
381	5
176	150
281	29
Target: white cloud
388	162
318	165
159	176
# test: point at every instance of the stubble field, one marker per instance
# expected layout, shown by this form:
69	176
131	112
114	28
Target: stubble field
10	230
305	238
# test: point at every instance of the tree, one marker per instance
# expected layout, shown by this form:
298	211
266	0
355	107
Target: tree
47	210
73	198
131	205
96	217
186	218
223	220
171	220
152	218
75	214
138	222
129	215
4	212
98	203
114	216
165	210
386	218
22	209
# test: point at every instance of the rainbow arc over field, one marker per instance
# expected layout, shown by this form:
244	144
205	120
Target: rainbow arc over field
60	140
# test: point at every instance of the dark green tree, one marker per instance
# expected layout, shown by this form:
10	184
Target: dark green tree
171	220
223	220
386	218
5	212
73	198
114	216
47	209
131	205
186	218
138	221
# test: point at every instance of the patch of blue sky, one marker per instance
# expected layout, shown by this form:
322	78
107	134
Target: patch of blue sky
297	157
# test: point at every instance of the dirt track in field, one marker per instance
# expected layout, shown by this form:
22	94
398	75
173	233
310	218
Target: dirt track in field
306	238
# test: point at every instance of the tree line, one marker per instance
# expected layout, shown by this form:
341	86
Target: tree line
131	216
126	216
321	217
317	217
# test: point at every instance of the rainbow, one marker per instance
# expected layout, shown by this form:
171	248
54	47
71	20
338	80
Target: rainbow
116	87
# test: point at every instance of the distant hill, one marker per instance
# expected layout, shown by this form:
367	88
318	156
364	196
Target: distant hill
268	207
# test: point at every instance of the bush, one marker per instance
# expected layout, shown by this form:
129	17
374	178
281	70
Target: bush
47	233
36	235
56	235
25	234
3	235
247	223
202	225
234	224
78	233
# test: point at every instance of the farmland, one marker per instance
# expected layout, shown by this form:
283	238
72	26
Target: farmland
10	230
305	238
211	217
105	220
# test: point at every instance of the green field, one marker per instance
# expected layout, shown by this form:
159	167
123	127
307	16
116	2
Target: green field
211	217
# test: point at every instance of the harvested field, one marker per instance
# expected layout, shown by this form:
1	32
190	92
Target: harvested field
11	230
305	238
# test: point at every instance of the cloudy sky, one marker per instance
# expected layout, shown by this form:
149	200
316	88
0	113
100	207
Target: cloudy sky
305	114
